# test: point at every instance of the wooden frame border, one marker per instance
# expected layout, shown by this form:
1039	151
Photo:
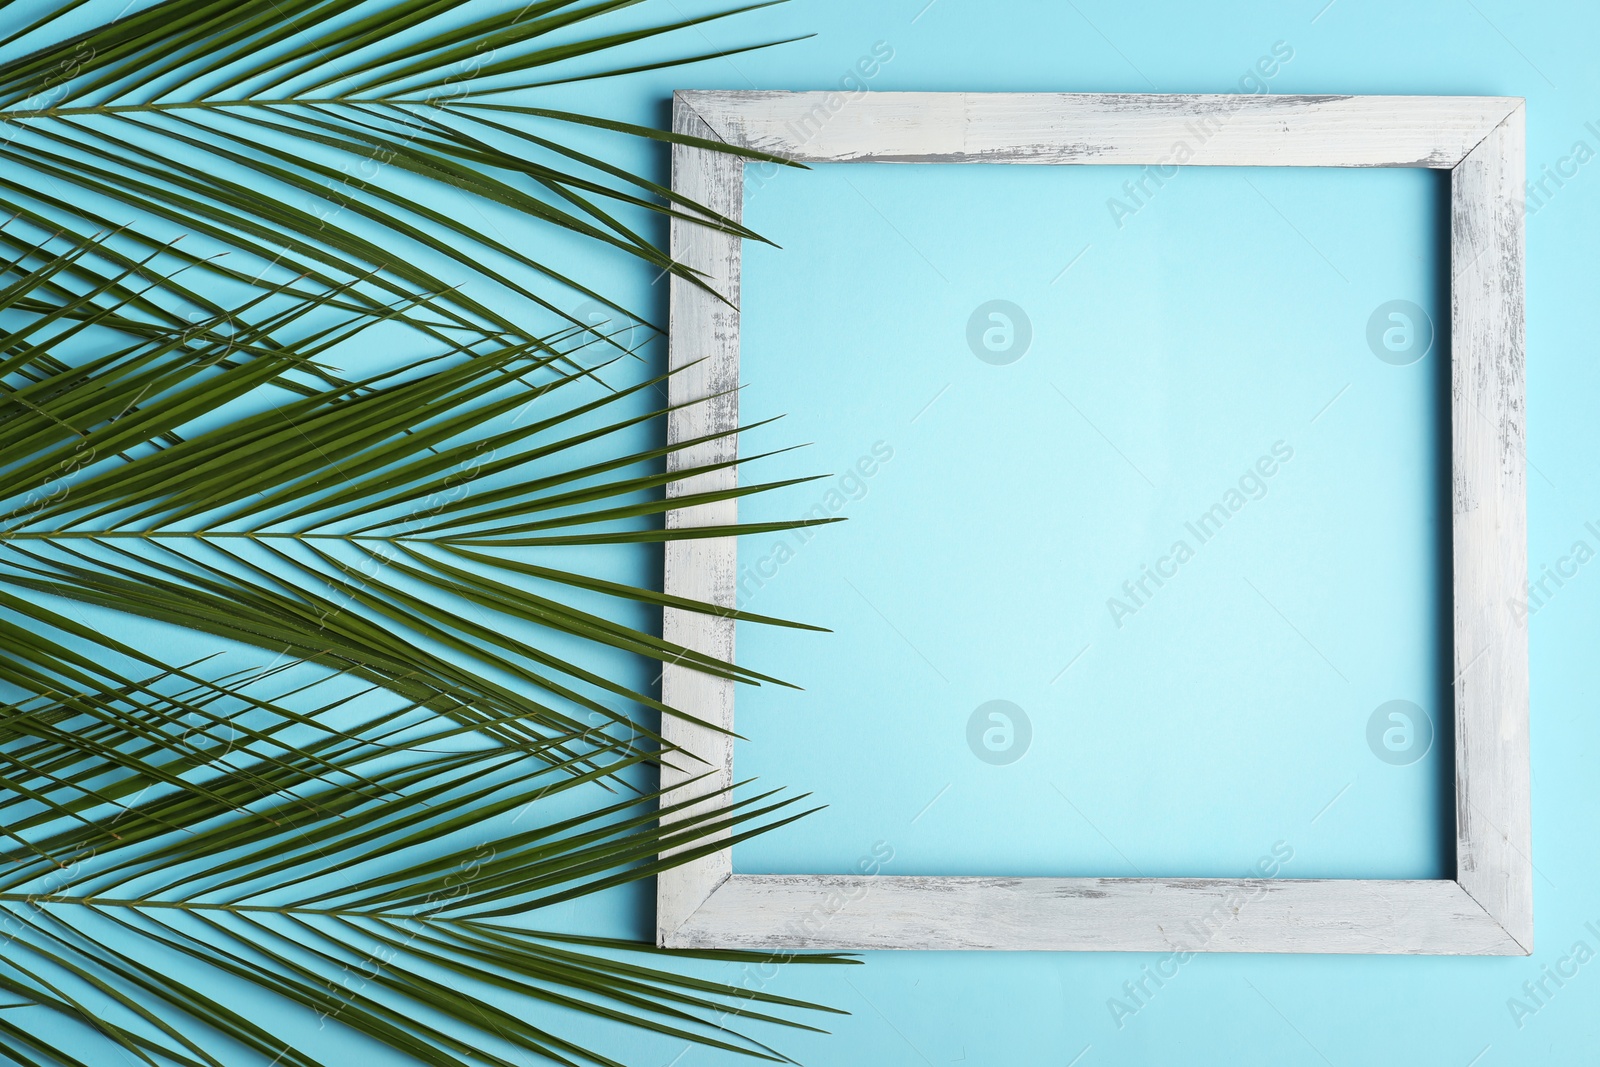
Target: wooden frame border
1488	907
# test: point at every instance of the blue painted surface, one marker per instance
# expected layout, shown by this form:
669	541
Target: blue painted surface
1197	682
1006	504
1215	321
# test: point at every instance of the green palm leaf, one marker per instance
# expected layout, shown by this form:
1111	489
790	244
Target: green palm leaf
155	110
433	739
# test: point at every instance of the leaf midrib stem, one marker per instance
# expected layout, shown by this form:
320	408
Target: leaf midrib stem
204	535
120	109
119	902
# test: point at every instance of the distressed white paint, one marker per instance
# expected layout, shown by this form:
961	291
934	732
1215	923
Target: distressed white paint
1493	833
1229	130
1488	909
758	911
704	351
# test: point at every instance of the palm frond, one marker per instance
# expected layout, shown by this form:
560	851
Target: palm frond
214	207
325	527
261	907
157	112
158	808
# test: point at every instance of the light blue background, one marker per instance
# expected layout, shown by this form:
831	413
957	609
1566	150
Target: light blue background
1230	714
979	561
1215	321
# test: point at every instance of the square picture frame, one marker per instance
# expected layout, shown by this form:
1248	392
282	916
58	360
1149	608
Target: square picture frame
1487	907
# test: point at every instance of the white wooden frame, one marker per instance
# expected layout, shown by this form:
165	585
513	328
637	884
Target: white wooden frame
1488	907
